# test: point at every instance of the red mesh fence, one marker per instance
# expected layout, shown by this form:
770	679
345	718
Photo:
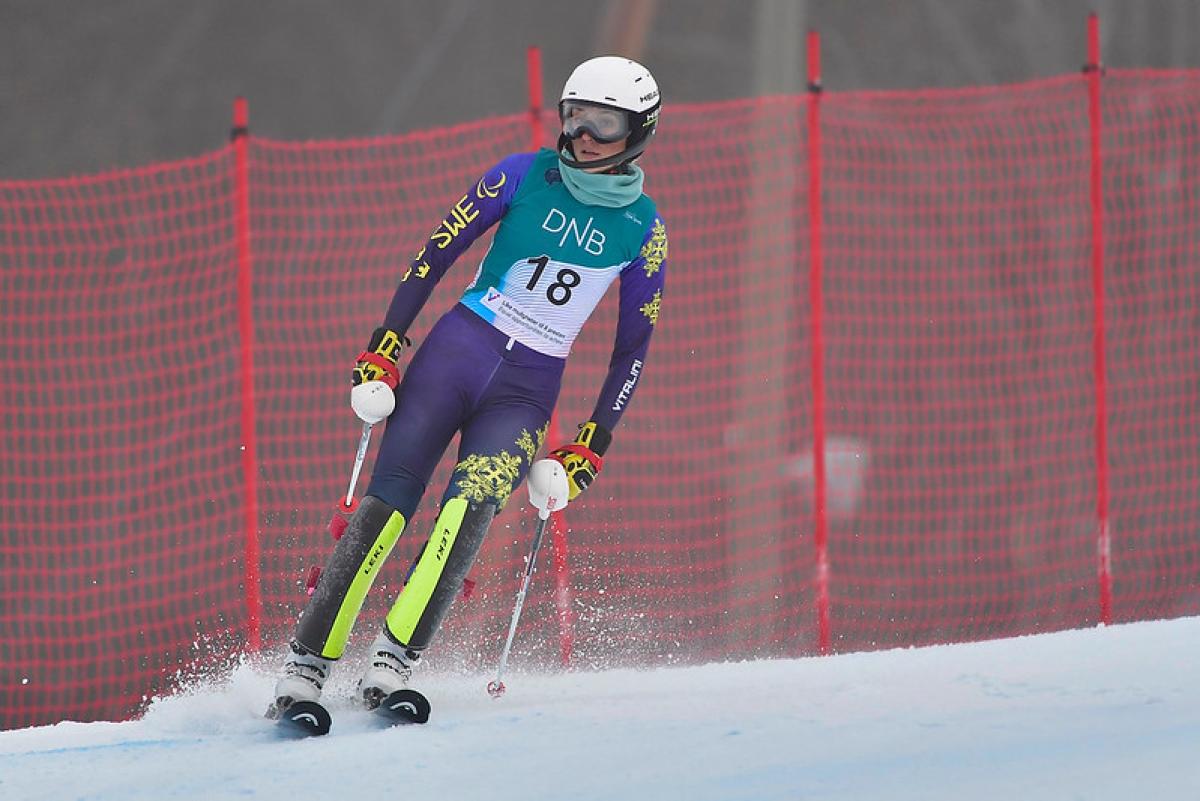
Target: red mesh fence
959	413
960	381
122	486
1152	229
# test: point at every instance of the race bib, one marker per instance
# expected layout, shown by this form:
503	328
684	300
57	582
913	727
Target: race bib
543	303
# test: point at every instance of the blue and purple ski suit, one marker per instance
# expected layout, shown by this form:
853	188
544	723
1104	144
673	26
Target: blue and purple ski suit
491	369
492	365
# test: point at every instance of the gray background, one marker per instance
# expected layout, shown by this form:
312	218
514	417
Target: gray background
90	86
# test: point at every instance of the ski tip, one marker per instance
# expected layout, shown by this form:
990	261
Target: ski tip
405	706
304	719
496	688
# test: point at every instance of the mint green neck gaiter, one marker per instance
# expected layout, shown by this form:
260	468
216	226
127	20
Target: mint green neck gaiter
603	189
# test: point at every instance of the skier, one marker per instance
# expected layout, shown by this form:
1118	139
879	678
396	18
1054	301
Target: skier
570	222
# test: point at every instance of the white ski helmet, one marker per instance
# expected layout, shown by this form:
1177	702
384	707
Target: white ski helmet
611	98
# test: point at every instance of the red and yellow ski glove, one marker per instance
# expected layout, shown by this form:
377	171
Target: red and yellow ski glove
378	361
583	458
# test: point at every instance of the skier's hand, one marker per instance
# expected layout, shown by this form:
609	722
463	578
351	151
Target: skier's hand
378	361
582	459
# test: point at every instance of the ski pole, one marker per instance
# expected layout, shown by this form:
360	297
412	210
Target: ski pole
373	402
359	458
496	688
338	523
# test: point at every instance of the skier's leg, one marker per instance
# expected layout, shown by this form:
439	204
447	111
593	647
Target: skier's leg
431	402
436	579
325	623
497	448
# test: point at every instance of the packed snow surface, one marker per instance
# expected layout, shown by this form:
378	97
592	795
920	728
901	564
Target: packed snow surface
1106	713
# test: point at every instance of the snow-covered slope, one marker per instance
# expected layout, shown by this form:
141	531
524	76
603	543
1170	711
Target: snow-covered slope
1097	714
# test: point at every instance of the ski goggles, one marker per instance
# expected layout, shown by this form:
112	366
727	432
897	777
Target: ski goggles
605	124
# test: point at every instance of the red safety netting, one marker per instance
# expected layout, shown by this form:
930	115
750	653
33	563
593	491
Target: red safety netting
960	415
960	380
122	487
1152	282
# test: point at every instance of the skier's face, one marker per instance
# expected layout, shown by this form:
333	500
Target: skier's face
588	149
